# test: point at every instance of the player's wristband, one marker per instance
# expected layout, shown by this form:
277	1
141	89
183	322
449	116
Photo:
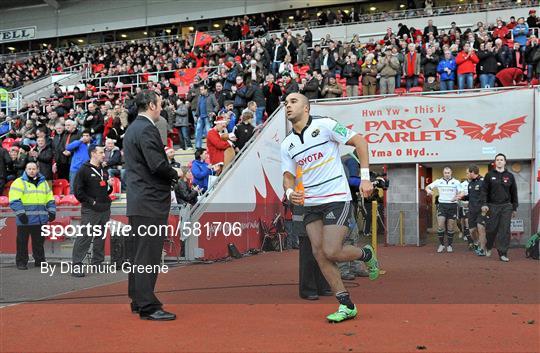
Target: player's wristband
288	193
364	174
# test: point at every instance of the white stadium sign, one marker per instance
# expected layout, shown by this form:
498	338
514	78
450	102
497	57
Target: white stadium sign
17	34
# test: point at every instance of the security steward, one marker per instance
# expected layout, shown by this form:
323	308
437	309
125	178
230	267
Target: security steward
31	198
92	189
499	199
312	282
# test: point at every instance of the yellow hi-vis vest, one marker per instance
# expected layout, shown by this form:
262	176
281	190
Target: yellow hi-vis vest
35	201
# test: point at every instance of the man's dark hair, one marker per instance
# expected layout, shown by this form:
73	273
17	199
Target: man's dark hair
198	153
227	103
86	132
498	155
91	149
473	168
144	98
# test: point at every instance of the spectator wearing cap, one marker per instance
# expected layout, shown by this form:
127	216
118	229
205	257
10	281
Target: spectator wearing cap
78	150
487	65
532	58
254	72
206	109
533	20
388	67
201	170
369	75
466	61
447	71
219	143
351	72
92	189
521	32
272	94
332	89
411	66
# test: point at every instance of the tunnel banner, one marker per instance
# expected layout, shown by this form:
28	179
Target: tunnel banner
449	128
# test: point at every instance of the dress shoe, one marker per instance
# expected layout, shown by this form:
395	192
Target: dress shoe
22	267
135	309
310	297
159	315
327	293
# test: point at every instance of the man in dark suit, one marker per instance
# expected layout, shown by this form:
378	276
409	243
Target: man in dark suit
430	28
149	179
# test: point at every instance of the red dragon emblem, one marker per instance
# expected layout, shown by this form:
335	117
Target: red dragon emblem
487	133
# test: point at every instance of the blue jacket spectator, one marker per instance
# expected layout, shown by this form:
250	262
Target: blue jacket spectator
79	152
444	64
521	32
201	170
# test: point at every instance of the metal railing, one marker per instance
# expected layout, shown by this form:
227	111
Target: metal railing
458	8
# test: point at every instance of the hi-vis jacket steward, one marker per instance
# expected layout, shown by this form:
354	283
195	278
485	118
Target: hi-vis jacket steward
36	201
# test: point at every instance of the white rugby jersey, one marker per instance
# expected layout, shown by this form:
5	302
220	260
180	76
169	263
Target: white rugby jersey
448	189
316	151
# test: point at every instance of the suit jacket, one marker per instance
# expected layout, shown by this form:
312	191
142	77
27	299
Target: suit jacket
148	173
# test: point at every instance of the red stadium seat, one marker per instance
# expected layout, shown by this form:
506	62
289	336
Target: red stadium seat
4	201
116	185
400	90
416	90
59	186
69	200
170	142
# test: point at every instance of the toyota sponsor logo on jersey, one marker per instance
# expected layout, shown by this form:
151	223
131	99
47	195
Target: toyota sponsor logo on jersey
311	158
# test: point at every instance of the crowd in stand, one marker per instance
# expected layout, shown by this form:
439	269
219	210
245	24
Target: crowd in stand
227	106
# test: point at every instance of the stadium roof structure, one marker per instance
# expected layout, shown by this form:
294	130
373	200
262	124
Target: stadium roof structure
18	4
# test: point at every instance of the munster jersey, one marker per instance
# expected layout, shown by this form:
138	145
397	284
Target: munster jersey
316	151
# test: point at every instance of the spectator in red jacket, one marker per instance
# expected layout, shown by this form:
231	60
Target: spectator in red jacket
509	76
501	31
466	61
219	143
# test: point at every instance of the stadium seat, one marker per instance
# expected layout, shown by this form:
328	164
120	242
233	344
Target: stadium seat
59	186
4	201
69	200
170	142
400	90
116	185
416	90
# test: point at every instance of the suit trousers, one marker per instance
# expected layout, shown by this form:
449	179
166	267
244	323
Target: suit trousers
144	250
312	281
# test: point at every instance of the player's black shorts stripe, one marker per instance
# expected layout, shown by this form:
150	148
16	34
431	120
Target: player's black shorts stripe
307	149
324	182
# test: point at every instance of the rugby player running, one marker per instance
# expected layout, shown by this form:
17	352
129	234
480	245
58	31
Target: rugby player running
313	145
